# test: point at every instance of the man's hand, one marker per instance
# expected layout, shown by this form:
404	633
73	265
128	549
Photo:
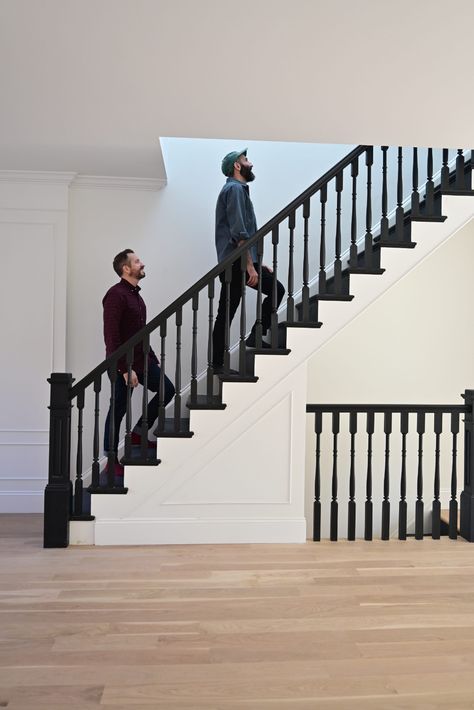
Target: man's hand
252	279
268	268
133	379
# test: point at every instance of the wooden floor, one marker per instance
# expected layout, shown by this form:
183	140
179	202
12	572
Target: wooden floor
358	626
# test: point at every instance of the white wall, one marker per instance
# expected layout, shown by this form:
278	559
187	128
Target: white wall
415	344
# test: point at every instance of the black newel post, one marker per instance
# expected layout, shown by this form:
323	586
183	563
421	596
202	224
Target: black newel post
58	492
467	495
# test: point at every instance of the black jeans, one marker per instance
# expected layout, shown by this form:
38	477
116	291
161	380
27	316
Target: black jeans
154	372
218	335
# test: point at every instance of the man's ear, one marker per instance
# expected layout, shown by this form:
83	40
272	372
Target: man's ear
237	166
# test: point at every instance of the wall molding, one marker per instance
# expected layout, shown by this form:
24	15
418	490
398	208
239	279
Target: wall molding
37	176
108	182
77	181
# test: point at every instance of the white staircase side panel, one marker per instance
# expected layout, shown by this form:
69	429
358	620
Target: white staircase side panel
241	477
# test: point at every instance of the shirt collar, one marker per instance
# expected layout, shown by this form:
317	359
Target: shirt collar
233	179
133	289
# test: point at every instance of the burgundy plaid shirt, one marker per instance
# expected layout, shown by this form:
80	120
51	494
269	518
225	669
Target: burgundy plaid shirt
124	315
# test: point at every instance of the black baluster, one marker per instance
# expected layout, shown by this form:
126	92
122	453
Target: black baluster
243	312
415	195
258	321
334	504
177	376
399	213
274	315
290	302
419	506
323	196
384	219
128	414
460	183
78	484
210	368
145	424
305	290
318	427
351	513
436	507
386	478
353	250
369	160
402	506
227	281
453	503
368	532
111	456
445	170
337	262
95	441
194	355
429	200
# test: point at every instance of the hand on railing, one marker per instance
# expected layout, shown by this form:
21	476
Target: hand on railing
133	378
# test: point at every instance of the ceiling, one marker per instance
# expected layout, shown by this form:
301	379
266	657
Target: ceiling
90	85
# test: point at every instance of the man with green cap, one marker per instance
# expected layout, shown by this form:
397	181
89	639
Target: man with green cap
235	224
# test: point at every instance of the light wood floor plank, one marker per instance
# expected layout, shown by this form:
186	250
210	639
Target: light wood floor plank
365	626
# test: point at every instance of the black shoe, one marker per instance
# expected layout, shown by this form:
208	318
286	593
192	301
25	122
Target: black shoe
251	342
220	370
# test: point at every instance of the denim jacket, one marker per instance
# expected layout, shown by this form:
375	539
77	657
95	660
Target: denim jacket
235	218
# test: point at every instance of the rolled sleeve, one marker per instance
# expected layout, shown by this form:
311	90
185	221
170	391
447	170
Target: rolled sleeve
236	214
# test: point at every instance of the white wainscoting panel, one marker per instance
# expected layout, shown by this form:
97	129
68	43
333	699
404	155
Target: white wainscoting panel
33	241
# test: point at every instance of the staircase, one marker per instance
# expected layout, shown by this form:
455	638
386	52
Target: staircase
232	450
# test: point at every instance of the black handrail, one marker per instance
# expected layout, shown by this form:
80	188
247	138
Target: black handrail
383	408
216	270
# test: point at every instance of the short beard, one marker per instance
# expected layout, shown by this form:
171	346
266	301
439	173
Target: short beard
247	173
141	275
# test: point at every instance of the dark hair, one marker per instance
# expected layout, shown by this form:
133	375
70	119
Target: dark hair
120	260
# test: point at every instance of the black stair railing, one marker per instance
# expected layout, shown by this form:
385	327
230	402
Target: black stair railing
315	245
349	432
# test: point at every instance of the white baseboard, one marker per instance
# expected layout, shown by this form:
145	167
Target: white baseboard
185	531
21	502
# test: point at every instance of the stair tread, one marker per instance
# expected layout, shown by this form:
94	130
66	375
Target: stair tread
458	192
300	324
331	297
397	245
428	218
238	378
169	430
270	351
204	401
362	270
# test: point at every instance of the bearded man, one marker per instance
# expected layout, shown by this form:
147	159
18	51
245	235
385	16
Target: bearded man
235	224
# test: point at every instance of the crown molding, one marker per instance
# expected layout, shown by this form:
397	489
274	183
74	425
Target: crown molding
108	182
37	176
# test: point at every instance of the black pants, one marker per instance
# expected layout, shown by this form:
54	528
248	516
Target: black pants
218	336
154	372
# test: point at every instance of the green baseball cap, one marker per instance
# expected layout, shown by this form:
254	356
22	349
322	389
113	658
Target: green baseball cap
229	160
